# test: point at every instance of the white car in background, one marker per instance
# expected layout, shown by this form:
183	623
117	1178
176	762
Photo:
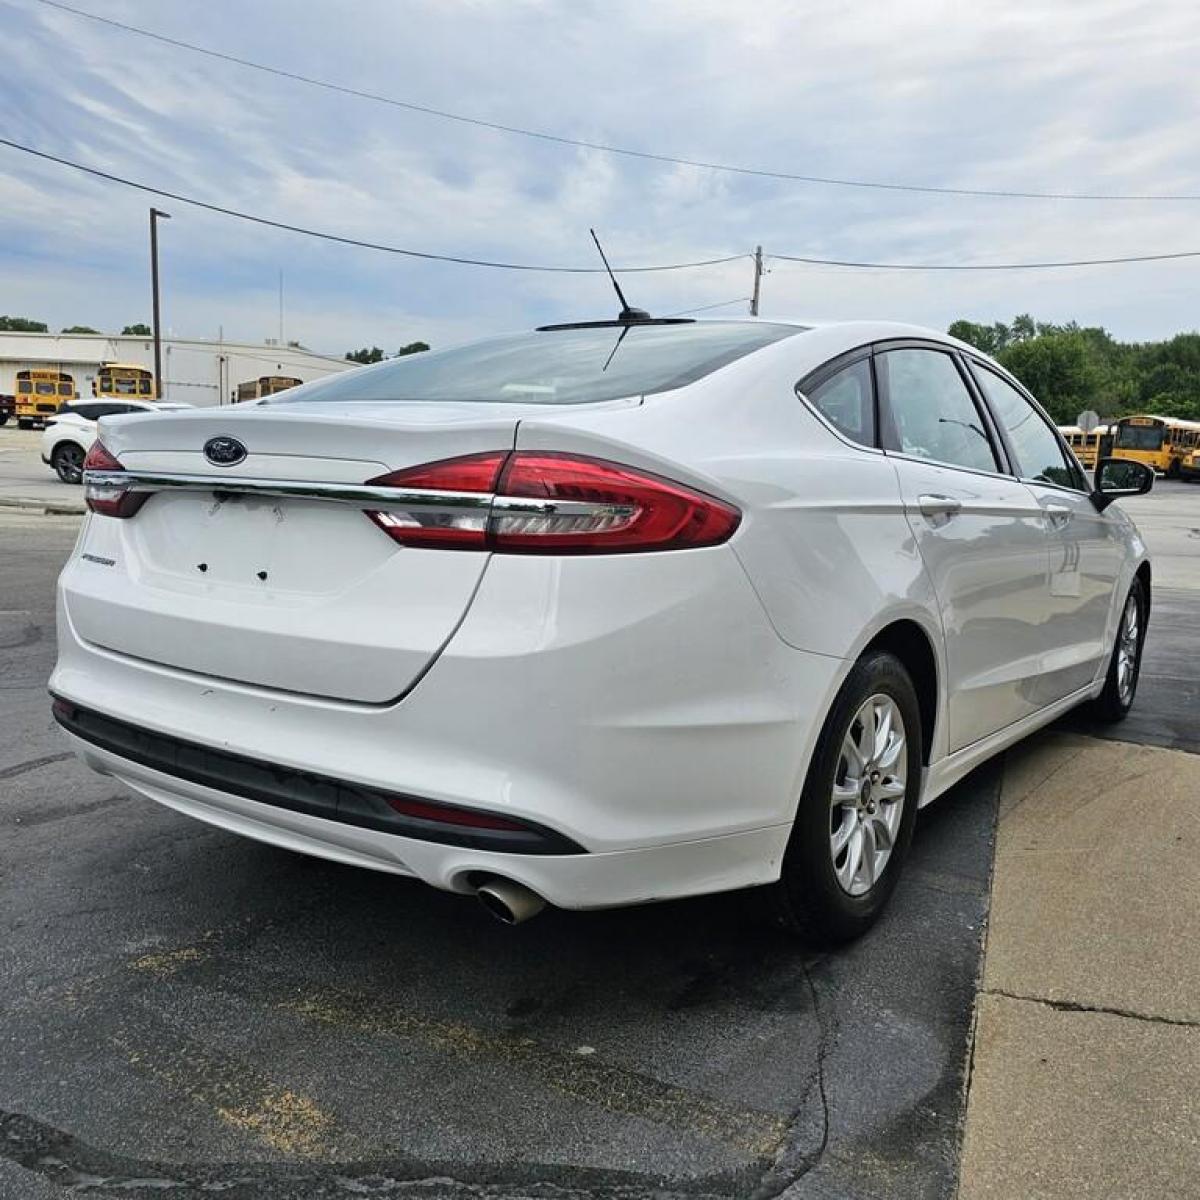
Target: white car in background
602	613
70	432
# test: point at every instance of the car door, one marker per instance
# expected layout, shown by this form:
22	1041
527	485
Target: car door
1086	550
980	534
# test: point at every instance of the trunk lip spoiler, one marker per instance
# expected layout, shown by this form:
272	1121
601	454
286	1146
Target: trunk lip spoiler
358	495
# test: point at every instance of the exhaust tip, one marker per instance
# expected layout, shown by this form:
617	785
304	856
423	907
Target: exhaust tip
509	902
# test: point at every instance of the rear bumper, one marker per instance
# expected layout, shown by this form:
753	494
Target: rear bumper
578	881
642	709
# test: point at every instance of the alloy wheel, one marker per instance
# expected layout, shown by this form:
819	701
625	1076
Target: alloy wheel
1127	649
69	463
867	800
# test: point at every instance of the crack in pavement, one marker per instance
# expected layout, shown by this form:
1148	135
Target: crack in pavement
787	1171
1075	1006
74	1164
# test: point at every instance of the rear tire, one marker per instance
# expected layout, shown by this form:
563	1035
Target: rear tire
24	424
1125	665
860	798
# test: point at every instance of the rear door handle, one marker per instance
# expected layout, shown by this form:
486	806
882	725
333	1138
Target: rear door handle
935	505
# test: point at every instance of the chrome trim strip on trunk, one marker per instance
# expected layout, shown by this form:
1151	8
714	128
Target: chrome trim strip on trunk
360	495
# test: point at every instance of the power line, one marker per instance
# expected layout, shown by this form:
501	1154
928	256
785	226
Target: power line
349	241
1023	266
687	312
542	135
532	267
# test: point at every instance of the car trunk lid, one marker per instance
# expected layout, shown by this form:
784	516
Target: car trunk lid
286	592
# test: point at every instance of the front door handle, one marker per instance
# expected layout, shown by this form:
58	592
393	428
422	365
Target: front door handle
1058	514
935	505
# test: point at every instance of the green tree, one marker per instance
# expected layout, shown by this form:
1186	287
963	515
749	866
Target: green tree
373	355
1023	328
136	331
1058	370
1070	367
80	329
991	339
23	325
412	348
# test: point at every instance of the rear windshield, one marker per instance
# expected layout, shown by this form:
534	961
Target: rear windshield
561	366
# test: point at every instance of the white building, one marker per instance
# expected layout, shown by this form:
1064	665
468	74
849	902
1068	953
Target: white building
195	371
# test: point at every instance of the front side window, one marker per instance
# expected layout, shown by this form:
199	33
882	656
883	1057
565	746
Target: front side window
932	413
847	401
1039	455
552	366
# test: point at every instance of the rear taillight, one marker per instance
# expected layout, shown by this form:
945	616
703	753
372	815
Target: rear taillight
461	522
541	502
107	493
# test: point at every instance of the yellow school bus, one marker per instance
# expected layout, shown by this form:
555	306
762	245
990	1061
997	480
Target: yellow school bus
264	385
40	394
119	381
1159	442
1190	469
1088	447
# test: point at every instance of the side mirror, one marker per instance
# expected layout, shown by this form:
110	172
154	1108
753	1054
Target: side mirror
1117	477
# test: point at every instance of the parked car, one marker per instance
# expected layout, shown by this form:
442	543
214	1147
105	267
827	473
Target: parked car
71	431
601	614
8	407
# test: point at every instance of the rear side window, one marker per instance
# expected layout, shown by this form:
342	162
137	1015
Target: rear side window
932	413
87	411
552	366
847	401
1039	455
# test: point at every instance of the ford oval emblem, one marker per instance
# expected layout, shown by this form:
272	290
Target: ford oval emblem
224	451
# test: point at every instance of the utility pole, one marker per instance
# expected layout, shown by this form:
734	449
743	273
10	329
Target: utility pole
281	306
154	215
758	274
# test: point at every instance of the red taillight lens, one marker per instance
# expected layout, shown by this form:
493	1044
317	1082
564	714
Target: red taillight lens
460	524
600	507
534	502
110	498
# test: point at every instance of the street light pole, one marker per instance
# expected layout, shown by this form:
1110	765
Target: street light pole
154	215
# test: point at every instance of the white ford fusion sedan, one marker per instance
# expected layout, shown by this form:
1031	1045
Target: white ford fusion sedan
602	613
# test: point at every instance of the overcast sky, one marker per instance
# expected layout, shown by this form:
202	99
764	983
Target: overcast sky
1100	96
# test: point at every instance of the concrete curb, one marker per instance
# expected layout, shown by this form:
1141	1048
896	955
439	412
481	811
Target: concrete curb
48	508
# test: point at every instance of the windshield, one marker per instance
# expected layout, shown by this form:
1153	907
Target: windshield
561	366
1140	437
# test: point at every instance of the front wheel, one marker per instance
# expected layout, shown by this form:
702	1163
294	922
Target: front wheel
1125	665
856	814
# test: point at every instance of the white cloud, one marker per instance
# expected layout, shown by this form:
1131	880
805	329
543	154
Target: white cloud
1039	96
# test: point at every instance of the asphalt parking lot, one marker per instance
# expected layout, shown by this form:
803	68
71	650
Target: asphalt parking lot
194	1014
